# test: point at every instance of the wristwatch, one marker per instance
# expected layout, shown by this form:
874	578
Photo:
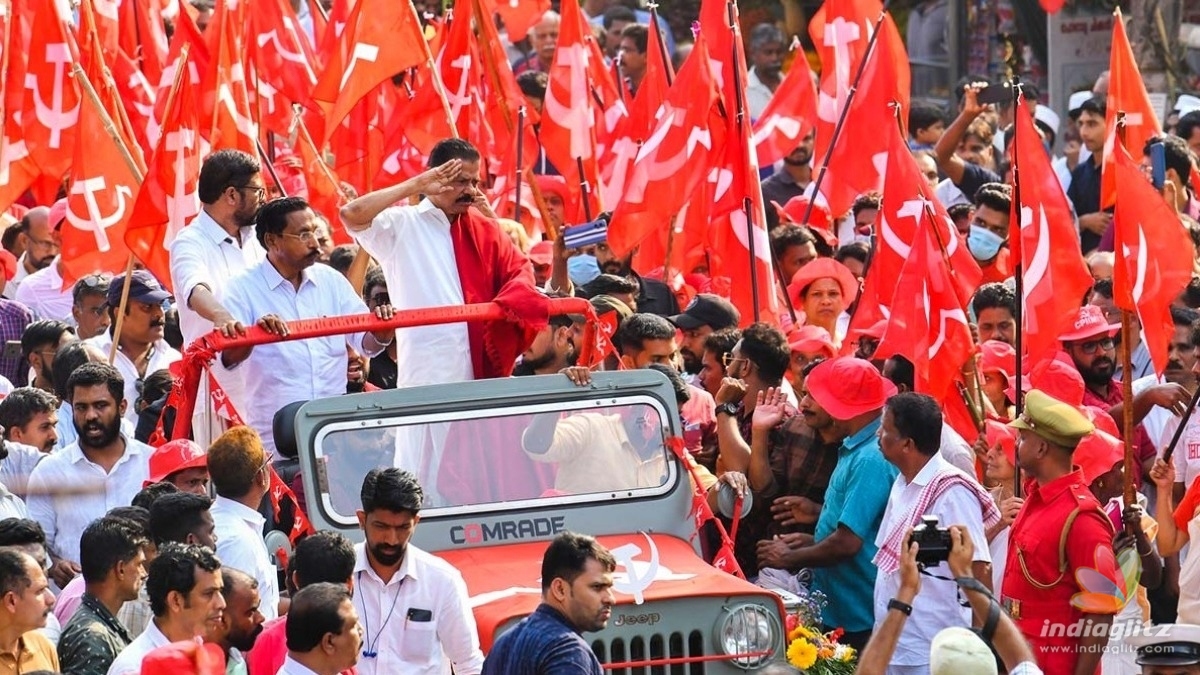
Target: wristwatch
727	408
903	607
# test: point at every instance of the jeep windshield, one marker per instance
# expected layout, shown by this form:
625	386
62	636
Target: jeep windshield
518	457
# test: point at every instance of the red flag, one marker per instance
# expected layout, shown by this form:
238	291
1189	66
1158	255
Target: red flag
99	203
1126	94
17	168
675	159
137	98
324	189
568	131
462	80
1154	254
91	56
1056	278
503	101
519	15
226	118
143	36
790	116
283	60
169	196
381	39
50	114
927	324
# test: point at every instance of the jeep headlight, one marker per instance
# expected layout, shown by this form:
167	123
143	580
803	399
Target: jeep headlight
747	629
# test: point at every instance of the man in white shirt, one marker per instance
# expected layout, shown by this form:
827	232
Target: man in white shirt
104	468
287	286
767	49
239	469
928	485
184	585
42	291
323	633
218	245
440	253
41	246
141	349
397	584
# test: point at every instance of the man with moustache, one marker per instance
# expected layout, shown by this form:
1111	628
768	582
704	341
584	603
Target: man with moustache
398	584
324	636
654	297
792	177
103	468
704	315
288	285
441	253
141	349
39	343
712	363
241	622
184	585
29	416
42	291
577	597
27	602
767	46
41	247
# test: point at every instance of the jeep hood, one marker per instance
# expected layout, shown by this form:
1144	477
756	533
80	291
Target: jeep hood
504	582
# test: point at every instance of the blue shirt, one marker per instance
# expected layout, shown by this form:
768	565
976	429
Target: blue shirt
856	499
542	644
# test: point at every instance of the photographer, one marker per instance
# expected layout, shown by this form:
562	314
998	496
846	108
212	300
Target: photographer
932	490
1005	639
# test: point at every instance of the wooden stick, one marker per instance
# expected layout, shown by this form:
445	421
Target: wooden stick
1127	330
435	76
304	137
116	337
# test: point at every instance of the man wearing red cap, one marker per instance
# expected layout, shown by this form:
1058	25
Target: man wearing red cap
807	344
181	463
841	552
542	257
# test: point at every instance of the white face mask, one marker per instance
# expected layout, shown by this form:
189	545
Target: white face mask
983	243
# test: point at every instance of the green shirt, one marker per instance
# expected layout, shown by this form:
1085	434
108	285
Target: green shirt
91	639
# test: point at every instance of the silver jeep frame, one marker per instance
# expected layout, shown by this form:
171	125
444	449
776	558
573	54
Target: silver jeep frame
690	633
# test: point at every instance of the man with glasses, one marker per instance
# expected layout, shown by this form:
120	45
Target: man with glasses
42	291
90	308
289	286
39	342
1102	297
216	246
39	243
239	467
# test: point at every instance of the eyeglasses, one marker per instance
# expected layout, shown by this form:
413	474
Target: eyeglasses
309	237
96	280
258	190
728	359
1092	347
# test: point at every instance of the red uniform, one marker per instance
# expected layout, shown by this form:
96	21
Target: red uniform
1044	552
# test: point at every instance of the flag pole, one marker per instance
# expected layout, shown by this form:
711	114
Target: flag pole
434	76
520	162
585	190
1130	465
747	203
1019	281
841	123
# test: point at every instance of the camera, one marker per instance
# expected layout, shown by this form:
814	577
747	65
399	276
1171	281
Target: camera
933	542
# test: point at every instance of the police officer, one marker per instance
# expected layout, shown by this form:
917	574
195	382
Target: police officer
1168	649
1059	529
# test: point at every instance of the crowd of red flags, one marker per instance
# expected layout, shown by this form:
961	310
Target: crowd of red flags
108	109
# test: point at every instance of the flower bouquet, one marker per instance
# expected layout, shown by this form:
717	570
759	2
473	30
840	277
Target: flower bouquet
812	651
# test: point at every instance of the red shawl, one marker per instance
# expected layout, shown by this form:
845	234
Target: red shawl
492	269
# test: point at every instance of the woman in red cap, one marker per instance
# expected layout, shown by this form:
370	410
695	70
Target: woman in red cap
997	362
1000	477
823	289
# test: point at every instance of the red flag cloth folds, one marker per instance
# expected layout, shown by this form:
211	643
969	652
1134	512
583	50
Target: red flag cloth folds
789	117
1127	94
17	168
1047	244
1154	255
50	111
519	15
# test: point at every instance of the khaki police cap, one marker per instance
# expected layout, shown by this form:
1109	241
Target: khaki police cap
1053	420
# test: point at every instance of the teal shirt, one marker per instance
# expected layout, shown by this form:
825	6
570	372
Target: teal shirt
856	498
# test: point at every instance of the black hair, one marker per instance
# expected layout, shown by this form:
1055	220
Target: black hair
763	34
960	210
787	236
767	348
612	284
995	196
175	515
374	279
865	201
902	372
172	333
92	284
1182	316
135	514
324	556
106	542
43	333
918	417
1191	294
156	386
639	34
342	256
21	532
273	217
224	169
314	613
1103	288
67	360
146	497
617	13
682	393
723	341
174	570
533	83
1178	157
637	329
92	374
452	148
1188	124
1097	105
567	556
391	490
855	250
14	572
994	296
23	404
921	116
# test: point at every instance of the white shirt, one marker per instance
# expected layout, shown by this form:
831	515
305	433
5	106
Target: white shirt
161	356
129	661
300	370
292	667
413	246
957	451
43	294
67	492
423	582
758	95
16	469
240	545
11	506
938	605
10	289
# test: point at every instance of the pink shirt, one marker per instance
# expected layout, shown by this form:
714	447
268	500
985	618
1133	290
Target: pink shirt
69	600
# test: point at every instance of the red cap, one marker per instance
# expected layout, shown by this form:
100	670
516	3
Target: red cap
997	356
1006	436
173	457
1089	323
8	264
824	268
58	213
875	330
811	340
820	221
1097	453
847	387
1101	419
542	253
557	185
1057	379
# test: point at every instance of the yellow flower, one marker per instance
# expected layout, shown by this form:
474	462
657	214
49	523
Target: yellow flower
802	654
801	632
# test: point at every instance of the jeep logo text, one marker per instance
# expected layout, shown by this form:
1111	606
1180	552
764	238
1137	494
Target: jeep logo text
504	530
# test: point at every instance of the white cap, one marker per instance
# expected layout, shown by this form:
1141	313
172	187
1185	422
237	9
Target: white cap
958	651
1048	117
1186	103
1174	644
1078	99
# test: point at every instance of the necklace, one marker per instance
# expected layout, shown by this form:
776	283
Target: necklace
371	646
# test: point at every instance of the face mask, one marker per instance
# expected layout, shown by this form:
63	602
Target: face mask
582	269
984	243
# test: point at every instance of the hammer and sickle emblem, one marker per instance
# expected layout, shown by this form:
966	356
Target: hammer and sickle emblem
635	584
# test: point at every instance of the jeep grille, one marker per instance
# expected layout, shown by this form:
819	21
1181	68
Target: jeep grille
653	646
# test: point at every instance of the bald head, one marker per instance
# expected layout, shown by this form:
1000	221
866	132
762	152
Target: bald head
544	38
39	239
